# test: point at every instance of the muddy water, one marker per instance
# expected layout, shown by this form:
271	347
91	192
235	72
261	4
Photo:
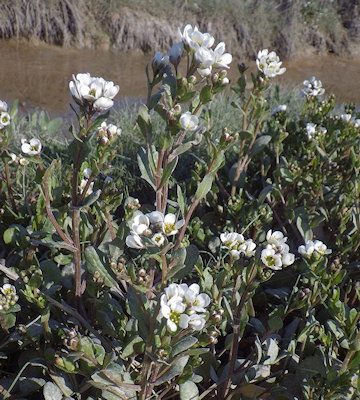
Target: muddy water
38	75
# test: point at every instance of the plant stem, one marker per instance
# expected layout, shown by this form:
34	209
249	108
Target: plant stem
235	342
8	185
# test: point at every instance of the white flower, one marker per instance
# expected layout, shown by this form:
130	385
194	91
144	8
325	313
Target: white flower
231	240
31	148
269	63
321	248
313	87
4	119
221	59
3	106
314	247
307	249
108	132
170	226
310	129
23	161
194	321
189	122
83	184
140	224
345	117
280	108
134	241
271	259
275	238
205	57
158	239
287	259
8	289
87	172
88	90
13	158
193	38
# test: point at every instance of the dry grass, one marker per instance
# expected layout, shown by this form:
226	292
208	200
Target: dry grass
245	25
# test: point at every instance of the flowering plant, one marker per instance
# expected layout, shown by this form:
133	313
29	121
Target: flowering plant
192	288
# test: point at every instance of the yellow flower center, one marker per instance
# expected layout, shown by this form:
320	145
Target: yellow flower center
169	227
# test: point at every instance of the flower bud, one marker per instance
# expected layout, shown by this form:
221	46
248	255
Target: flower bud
175	53
213	340
142	272
192	79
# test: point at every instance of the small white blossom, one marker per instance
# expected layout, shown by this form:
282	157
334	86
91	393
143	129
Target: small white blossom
221	59
345	117
8	296
140	224
189	122
205	58
31	148
236	243
83	184
13	158
269	63
134	241
4	119
87	173
271	259
278	109
310	130
158	239
312	248
193	38
23	161
313	87
170	226
3	106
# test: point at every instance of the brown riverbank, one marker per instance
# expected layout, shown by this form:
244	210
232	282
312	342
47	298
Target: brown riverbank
287	26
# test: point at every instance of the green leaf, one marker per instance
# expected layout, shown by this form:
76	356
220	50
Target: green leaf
94	264
133	348
245	135
52	392
304	227
183	344
144	167
180	200
205	94
168	171
264	193
91	198
260	144
275	323
173	371
204	187
138	308
188	391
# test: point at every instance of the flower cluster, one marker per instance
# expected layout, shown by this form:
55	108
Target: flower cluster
313	87
152	229
184	307
32	148
276	253
269	63
200	44
312	130
96	93
8	297
314	249
352	120
107	133
236	243
4	115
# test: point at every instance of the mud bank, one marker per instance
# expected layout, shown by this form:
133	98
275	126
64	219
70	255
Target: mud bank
286	26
